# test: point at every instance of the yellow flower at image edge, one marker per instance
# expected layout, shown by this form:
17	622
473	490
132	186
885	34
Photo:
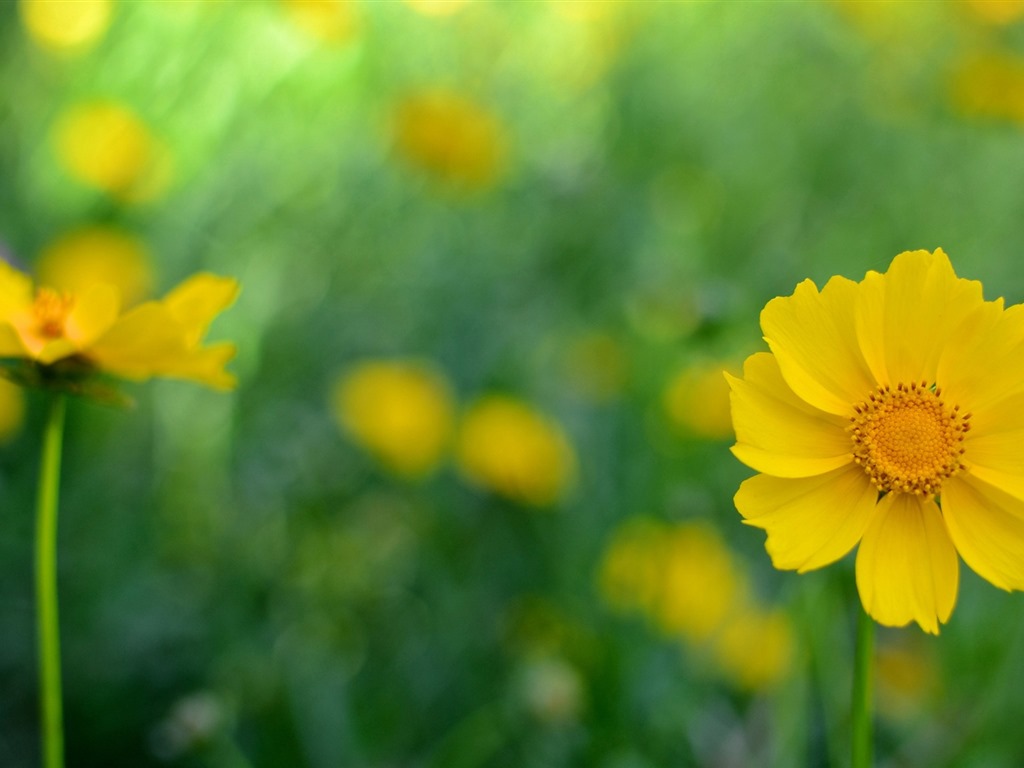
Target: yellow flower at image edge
889	413
156	338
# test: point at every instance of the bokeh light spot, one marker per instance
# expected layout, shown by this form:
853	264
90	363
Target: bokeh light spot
97	254
66	25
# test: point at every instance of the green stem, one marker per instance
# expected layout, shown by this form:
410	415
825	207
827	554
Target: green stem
861	707
52	730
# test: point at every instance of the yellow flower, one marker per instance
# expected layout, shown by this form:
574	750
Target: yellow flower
997	12
508	447
97	254
597	367
755	647
450	136
106	146
88	329
66	25
682	577
697	401
909	679
989	85
631	572
436	7
889	413
700	583
330	21
400	411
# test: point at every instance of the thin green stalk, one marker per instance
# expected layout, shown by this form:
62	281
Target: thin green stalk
863	692
52	730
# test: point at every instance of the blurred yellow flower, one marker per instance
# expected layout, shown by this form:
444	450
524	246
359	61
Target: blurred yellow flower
330	21
89	329
991	85
452	137
552	689
700	583
437	7
889	416
997	12
907	677
12	410
106	146
97	254
630	576
597	367
755	647
684	580
66	25
508	447
401	411
697	400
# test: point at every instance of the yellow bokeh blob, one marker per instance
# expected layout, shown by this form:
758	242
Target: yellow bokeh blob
12	410
451	137
597	367
908	678
437	7
329	21
508	447
997	12
990	85
399	411
684	580
106	146
755	647
66	25
97	254
700	583
697	400
630	576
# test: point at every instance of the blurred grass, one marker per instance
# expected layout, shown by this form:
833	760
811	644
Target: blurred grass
578	206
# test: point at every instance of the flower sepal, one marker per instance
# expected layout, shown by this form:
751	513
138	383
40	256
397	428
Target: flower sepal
73	376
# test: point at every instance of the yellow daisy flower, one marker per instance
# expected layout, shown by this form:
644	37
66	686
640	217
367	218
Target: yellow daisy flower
889	413
87	331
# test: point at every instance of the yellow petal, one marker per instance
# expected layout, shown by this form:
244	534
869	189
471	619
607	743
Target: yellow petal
987	527
811	521
990	339
905	316
139	342
204	365
907	569
93	313
997	458
195	302
779	434
52	350
813	337
15	291
10	342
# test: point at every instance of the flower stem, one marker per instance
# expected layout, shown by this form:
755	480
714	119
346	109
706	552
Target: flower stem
861	706
52	730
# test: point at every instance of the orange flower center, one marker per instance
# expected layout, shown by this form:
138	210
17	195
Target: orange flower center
51	310
907	439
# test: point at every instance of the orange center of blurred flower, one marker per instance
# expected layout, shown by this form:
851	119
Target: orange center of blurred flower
51	310
907	439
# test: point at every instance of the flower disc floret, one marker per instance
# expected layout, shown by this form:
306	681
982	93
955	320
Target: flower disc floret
907	440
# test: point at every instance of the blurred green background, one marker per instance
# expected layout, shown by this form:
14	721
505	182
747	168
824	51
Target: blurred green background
471	503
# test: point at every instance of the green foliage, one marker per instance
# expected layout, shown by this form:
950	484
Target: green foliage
243	584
